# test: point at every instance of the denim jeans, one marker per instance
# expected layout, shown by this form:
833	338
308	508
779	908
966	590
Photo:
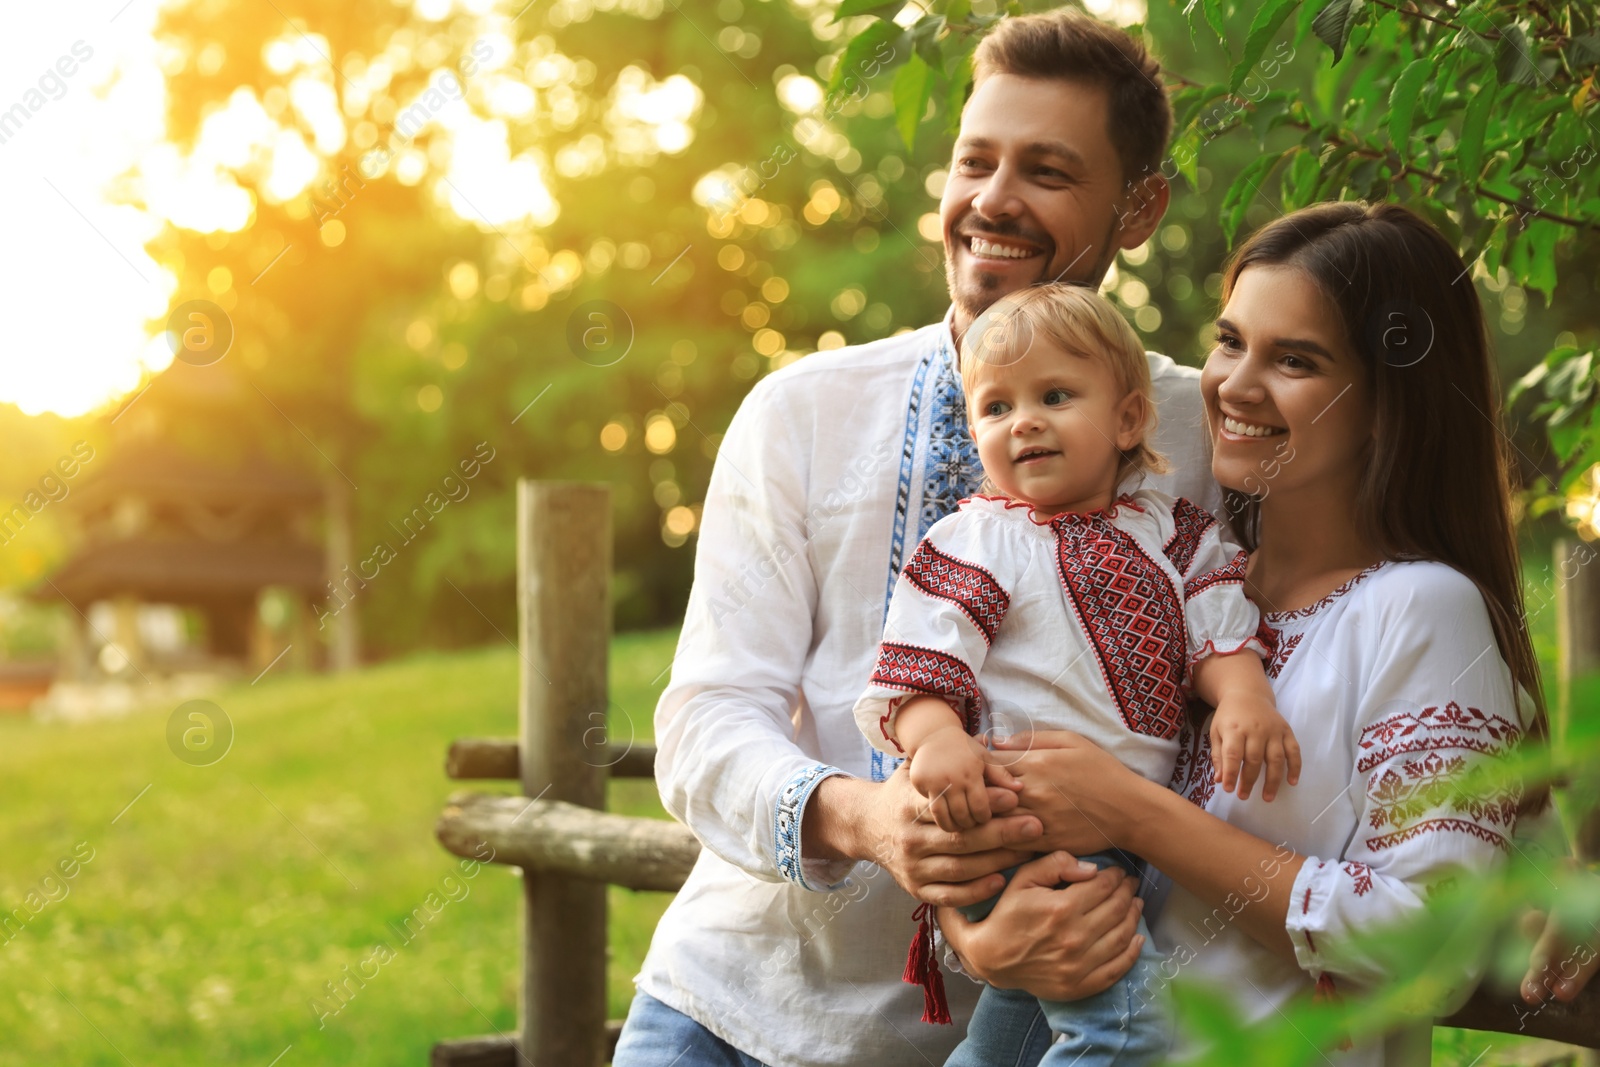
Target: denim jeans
655	1035
1127	1025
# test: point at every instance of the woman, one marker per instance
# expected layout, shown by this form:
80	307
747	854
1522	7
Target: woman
1351	395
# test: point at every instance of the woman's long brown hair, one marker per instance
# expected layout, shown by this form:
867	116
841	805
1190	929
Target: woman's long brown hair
1436	484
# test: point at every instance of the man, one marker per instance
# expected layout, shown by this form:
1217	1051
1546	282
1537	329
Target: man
780	948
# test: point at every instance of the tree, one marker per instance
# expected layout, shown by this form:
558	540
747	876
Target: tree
1481	116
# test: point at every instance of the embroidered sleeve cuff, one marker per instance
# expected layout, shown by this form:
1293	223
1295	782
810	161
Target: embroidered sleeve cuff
1228	647
1307	900
818	875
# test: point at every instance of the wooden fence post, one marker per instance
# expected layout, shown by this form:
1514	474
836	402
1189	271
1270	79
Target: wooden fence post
564	622
1577	591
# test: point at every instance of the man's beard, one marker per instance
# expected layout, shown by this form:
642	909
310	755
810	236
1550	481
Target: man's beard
973	300
986	288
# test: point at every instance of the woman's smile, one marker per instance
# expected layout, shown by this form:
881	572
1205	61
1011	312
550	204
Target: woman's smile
1284	382
1236	429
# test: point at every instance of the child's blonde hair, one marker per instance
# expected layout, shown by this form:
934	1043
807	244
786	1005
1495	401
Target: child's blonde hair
1079	321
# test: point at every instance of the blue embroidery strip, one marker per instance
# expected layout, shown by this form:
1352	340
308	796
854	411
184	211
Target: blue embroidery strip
908	453
951	470
786	821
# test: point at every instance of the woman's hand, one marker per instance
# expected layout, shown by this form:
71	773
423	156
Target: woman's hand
1057	943
1559	965
1081	793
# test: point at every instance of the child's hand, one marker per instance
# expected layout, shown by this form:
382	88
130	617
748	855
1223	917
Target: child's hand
949	769
1245	730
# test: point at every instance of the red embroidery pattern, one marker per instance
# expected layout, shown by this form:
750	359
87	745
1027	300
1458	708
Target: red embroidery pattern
1189	524
1133	616
1193	770
1420	765
1361	874
1281	650
1232	571
1378	844
967	586
927	670
1311	609
1405	732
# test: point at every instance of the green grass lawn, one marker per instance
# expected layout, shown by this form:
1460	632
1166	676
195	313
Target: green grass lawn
214	909
216	906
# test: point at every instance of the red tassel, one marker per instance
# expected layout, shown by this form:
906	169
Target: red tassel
922	969
1327	991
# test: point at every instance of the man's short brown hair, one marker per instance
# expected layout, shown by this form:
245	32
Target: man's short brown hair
1069	45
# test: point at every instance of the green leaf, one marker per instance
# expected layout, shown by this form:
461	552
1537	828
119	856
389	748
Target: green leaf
1403	100
1269	114
960	79
1300	180
1201	99
860	53
1242	193
1513	57
1541	239
1362	176
1473	41
1571	379
1262	28
1332	168
911	87
868	7
925	39
1537	374
1334	23
957	11
1436	93
1584	51
1303	21
1213	15
1186	156
1469	149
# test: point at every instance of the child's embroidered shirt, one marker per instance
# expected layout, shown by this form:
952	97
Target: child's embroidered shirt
1090	622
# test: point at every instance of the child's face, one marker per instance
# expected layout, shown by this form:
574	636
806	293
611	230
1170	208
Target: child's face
1050	427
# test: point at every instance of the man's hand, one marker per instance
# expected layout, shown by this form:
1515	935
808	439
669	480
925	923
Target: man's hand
1056	943
847	818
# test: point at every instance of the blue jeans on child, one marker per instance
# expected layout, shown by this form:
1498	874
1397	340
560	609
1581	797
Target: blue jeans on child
1128	1025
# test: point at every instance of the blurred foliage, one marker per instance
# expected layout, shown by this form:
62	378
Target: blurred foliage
1480	116
734	182
416	330
1431	960
32	536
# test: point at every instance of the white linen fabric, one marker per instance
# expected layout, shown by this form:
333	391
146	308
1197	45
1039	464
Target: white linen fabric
1089	621
1392	683
829	474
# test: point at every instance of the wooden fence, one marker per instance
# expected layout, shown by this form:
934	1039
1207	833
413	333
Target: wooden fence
570	848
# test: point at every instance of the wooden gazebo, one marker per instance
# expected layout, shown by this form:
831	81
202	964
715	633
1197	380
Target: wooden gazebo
159	523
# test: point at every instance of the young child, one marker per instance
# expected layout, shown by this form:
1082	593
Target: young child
1061	604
